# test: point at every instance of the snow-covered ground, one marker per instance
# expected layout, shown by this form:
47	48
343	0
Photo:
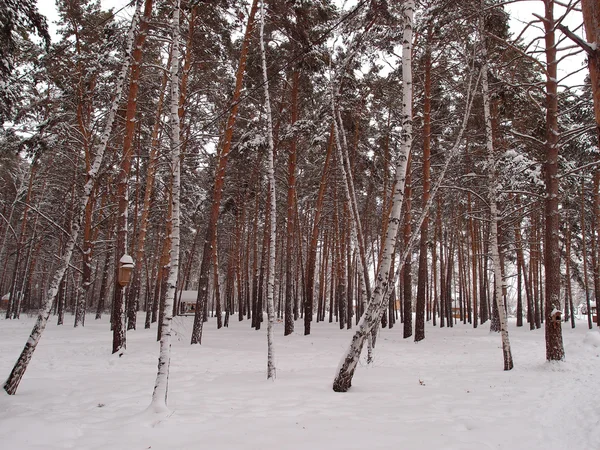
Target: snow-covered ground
447	392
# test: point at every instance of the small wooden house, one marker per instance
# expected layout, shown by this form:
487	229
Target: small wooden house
187	302
4	301
456	312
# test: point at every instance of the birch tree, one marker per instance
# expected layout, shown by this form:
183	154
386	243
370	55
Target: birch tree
492	198
345	371
384	277
159	396
271	371
12	383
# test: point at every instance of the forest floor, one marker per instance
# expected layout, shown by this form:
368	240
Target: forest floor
447	392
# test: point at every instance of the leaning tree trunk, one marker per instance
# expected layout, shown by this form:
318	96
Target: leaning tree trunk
12	383
348	183
372	314
343	379
159	396
217	194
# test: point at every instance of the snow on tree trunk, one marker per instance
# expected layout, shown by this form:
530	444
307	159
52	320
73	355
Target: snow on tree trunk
159	396
493	195
591	21
380	296
553	331
12	383
345	371
271	371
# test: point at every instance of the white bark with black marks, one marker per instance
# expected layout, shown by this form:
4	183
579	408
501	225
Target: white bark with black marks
493	196
271	371
345	371
161	387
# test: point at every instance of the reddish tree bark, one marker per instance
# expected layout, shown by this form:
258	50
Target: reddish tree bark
223	158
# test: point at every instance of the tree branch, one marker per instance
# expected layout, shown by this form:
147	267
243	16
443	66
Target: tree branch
583	44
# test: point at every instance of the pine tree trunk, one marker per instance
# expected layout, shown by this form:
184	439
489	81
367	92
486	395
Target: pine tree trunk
290	218
217	191
422	273
443	263
534	261
584	256
312	250
595	252
569	313
554	344
474	259
123	178
104	283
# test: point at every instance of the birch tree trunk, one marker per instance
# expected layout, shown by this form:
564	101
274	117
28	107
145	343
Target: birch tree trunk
493	195
379	297
271	372
159	396
153	157
345	371
12	383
